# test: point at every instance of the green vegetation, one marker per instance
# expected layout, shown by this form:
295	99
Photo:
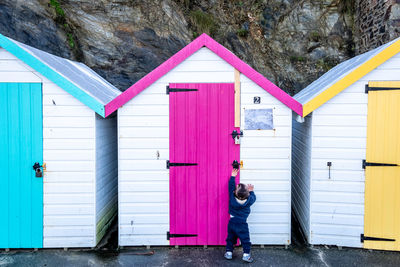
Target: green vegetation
242	32
297	58
203	22
315	36
71	40
61	19
57	7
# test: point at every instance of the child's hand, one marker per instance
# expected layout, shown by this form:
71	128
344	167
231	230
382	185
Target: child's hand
235	172
250	187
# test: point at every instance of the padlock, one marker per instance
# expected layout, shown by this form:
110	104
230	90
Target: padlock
38	172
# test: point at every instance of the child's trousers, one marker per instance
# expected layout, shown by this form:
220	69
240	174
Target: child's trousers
238	230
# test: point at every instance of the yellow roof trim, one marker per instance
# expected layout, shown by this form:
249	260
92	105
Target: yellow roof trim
351	78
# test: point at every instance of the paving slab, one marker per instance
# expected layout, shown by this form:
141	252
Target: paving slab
212	256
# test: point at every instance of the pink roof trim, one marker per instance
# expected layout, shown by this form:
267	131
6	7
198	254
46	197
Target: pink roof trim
222	52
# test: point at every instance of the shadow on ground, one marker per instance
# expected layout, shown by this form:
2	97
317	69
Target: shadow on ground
298	254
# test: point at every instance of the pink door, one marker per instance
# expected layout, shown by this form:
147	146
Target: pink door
201	154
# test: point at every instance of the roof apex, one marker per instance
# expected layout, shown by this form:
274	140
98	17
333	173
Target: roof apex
184	53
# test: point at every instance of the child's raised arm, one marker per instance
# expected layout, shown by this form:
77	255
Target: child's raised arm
232	184
252	197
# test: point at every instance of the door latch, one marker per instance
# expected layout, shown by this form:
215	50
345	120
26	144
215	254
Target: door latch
38	171
236	136
235	164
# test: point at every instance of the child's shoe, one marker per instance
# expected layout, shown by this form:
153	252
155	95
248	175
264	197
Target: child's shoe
247	258
228	255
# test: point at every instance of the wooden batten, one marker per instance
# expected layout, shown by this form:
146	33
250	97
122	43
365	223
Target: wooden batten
237	98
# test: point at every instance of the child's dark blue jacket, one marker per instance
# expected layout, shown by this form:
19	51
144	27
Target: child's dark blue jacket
238	211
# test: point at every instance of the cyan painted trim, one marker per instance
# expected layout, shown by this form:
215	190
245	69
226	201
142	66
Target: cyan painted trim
52	75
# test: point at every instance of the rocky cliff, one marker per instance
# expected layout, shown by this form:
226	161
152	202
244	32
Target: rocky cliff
291	42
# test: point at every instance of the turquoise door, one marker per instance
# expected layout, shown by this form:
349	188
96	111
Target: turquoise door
21	145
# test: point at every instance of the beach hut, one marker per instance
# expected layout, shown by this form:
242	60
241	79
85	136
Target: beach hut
346	152
180	129
58	155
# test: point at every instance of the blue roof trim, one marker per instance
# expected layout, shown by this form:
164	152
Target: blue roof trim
52	75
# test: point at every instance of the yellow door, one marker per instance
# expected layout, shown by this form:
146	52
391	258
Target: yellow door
382	176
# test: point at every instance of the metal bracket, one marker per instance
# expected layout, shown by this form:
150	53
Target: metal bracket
173	164
169	90
169	235
367	88
369	238
329	164
375	164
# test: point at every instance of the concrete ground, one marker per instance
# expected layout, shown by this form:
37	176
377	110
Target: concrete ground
298	254
201	257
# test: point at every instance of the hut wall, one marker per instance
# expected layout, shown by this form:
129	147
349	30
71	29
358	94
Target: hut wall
301	172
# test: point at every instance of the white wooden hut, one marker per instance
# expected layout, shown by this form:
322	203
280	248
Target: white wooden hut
53	114
345	179
184	112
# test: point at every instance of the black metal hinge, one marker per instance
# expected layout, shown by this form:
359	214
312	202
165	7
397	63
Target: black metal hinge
375	164
178	235
367	88
179	90
369	238
172	164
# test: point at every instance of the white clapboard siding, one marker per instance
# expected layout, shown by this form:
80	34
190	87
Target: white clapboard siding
138	143
106	174
143	140
301	172
339	136
69	153
339	129
14	70
271	166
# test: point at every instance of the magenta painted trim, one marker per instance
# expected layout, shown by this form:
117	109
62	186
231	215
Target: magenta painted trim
221	51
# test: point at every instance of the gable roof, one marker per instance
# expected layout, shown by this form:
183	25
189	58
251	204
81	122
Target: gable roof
343	75
222	52
74	77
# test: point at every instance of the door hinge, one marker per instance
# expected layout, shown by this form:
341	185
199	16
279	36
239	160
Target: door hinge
178	235
370	238
367	88
179	90
174	164
375	164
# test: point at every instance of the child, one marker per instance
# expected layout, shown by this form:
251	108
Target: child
241	197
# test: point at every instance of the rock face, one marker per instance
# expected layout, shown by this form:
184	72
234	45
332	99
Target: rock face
377	22
291	42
